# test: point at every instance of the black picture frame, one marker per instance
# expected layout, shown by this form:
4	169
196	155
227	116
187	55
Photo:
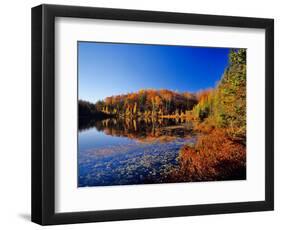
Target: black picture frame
43	114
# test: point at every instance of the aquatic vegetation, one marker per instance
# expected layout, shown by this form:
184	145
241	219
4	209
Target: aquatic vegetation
129	163
163	136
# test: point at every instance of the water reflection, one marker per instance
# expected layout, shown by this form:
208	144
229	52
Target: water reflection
144	130
130	151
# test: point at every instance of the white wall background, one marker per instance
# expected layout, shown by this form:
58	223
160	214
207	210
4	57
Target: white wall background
15	113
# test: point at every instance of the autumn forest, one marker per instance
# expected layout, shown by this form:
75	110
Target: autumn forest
164	135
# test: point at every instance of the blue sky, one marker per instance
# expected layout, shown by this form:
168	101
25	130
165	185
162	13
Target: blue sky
106	69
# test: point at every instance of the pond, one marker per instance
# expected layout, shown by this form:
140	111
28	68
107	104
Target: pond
130	151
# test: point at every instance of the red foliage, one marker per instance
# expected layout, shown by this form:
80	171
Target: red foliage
214	157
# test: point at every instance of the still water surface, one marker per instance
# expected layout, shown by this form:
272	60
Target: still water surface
123	152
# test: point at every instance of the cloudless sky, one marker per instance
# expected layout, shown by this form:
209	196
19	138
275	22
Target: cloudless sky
106	69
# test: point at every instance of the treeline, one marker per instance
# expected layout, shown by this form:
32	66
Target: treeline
225	106
147	103
220	116
88	110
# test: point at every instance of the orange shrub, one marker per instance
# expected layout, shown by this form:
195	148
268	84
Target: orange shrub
214	157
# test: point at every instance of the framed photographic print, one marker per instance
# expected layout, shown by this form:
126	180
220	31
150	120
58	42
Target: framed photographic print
142	114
